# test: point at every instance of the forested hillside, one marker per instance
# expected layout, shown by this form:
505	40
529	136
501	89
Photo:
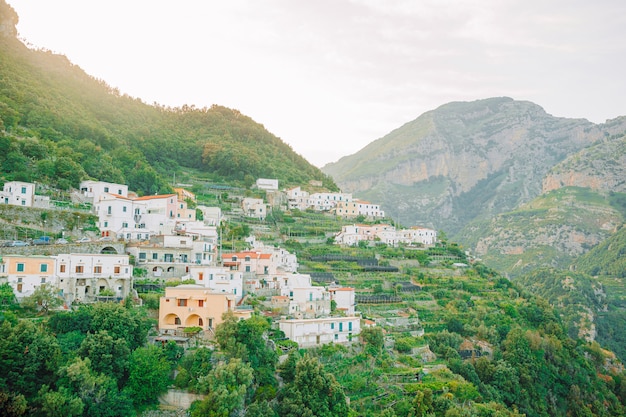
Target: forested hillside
58	125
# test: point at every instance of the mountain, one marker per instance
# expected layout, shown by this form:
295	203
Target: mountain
465	161
581	204
591	296
58	125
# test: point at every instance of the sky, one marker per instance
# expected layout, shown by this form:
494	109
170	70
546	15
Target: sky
330	76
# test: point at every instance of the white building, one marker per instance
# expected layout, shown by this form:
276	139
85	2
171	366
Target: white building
327	201
355	208
212	215
218	279
267	184
18	193
82	277
94	190
417	234
297	199
319	331
136	218
384	233
171	256
254	207
345	299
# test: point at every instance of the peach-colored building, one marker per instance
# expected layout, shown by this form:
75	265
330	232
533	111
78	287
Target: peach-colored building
25	273
195	305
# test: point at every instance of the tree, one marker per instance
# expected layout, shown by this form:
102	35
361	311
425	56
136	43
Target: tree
374	339
244	339
7	296
44	298
98	392
29	358
148	374
228	388
313	392
120	322
260	409
60	403
12	404
108	355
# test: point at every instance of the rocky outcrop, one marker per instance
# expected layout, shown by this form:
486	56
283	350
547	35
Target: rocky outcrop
467	160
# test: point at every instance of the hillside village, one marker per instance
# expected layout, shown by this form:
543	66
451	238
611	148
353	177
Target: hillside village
168	243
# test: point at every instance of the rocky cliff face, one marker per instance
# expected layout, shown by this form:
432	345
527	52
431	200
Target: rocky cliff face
465	160
601	167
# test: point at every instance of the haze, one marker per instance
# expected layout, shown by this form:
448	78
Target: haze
329	77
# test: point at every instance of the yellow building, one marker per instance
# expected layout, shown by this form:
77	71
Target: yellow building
195	305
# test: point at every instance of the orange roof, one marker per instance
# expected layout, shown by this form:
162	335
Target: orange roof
342	289
155	197
119	196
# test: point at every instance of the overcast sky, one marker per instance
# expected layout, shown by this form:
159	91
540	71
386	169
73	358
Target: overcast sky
330	76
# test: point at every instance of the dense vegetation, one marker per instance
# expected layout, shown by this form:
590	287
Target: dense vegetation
58	126
472	344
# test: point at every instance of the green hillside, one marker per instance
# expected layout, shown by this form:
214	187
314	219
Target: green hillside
552	230
58	125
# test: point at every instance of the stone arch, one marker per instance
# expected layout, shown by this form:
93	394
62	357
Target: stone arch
109	250
172	320
194	320
102	285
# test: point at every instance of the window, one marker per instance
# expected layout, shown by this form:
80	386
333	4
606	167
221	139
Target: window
341	327
350	326
106	189
332	326
182	302
169	257
43	280
177	320
142	255
116	270
155	256
200	303
97	269
124	209
23	190
336	336
109	210
79	269
247	268
200	276
62	268
106	224
20	267
125	225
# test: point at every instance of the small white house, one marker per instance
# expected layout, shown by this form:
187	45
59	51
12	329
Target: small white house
254	207
345	299
219	279
94	190
18	193
267	184
320	331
